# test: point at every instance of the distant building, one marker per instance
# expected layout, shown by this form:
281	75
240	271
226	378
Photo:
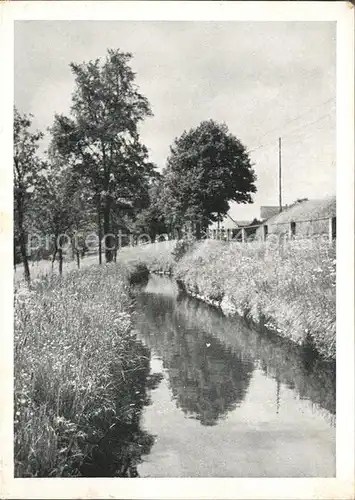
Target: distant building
229	223
311	217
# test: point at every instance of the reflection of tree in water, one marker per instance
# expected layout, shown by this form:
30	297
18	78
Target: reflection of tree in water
207	378
206	381
312	379
118	443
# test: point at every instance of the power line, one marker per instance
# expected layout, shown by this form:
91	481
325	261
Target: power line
307	125
290	121
292	132
298	116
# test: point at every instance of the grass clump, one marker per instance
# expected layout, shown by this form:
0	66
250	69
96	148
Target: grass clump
74	355
289	288
157	257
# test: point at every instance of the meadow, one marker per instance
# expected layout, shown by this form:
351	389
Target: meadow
75	356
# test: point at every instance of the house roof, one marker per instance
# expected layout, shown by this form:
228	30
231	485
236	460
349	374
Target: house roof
229	223
268	211
306	210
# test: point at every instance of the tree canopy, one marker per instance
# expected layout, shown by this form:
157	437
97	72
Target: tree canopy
28	176
101	138
207	168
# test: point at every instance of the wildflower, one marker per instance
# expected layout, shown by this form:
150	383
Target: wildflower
59	420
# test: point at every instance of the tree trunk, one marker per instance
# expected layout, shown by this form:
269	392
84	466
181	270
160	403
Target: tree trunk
99	231
109	242
22	238
60	254
54	256
78	258
198	230
73	248
75	252
24	256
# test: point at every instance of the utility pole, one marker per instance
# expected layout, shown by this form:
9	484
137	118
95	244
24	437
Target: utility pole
280	197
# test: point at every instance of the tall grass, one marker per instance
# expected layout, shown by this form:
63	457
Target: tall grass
74	350
289	288
286	286
158	257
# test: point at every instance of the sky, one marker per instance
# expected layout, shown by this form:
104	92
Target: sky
265	80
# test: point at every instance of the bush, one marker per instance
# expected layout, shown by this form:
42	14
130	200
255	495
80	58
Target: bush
181	249
157	257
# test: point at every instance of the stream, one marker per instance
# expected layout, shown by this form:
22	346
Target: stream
229	401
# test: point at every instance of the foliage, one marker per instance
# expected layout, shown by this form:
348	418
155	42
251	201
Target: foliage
181	248
151	220
76	369
157	257
207	168
61	208
289	289
101	139
28	169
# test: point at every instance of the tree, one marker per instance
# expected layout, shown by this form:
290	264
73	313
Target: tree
151	220
28	168
101	140
60	209
207	168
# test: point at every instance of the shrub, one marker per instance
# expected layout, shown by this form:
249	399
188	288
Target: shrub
181	249
157	257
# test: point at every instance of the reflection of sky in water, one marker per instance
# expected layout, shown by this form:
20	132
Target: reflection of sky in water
251	441
270	431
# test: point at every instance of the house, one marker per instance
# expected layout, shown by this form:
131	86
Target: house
228	228
268	211
308	217
228	223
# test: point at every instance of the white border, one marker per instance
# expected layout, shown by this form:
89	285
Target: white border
341	487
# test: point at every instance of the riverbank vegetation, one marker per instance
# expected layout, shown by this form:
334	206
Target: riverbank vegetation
157	257
80	375
288	288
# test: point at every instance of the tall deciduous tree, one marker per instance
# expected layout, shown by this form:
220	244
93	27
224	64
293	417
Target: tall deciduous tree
151	219
59	208
207	168
27	177
101	138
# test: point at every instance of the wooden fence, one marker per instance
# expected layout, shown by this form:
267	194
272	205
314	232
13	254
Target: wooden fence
262	231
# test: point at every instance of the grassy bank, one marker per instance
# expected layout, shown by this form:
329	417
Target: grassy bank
77	368
290	289
158	257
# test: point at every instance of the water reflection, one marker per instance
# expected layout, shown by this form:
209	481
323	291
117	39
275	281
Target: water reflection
117	445
210	358
207	378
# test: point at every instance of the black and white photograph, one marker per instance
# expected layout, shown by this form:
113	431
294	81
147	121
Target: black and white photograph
174	236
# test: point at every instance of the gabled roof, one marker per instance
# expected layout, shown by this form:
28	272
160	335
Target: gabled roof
306	210
229	223
268	211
